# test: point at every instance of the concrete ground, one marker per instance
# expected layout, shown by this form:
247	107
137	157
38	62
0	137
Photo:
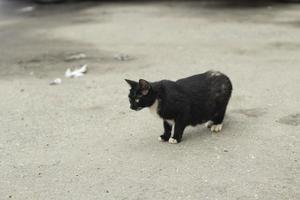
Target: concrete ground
79	140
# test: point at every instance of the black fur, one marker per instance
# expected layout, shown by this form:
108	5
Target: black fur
189	101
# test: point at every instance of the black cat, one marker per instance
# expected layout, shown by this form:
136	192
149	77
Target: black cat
190	101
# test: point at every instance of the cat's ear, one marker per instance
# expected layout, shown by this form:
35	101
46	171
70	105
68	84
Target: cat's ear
131	83
144	86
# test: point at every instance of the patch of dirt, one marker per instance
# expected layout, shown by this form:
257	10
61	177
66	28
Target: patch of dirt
292	120
285	45
252	112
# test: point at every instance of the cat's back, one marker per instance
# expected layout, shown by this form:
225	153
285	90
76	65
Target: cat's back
206	83
209	77
201	85
194	80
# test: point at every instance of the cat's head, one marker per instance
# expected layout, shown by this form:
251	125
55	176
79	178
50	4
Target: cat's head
141	94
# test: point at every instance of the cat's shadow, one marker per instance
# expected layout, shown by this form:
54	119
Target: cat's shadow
199	134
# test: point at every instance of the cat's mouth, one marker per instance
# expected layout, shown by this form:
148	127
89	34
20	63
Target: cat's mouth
139	108
136	108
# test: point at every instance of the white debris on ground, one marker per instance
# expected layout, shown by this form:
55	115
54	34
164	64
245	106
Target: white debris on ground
78	56
121	57
251	156
26	9
71	74
56	81
76	73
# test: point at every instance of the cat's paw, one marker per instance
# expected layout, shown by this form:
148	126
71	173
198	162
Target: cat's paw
216	128
209	124
173	141
163	138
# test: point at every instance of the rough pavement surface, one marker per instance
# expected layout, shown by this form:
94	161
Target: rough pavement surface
79	139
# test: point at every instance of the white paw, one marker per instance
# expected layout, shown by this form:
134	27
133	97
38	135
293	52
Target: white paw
208	124
173	141
160	139
216	128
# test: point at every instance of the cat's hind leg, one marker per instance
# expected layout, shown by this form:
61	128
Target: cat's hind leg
208	124
216	124
213	127
167	132
221	99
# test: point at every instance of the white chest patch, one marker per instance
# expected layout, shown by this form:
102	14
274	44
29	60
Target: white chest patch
170	121
153	110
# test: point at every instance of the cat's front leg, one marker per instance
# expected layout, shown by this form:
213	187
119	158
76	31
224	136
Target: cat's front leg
167	132
178	132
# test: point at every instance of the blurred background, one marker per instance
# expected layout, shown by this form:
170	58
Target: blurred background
66	130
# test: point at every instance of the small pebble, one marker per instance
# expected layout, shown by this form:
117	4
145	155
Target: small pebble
122	57
78	56
27	9
56	81
252	156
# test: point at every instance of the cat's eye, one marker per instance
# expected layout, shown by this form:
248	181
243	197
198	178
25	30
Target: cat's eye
137	100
